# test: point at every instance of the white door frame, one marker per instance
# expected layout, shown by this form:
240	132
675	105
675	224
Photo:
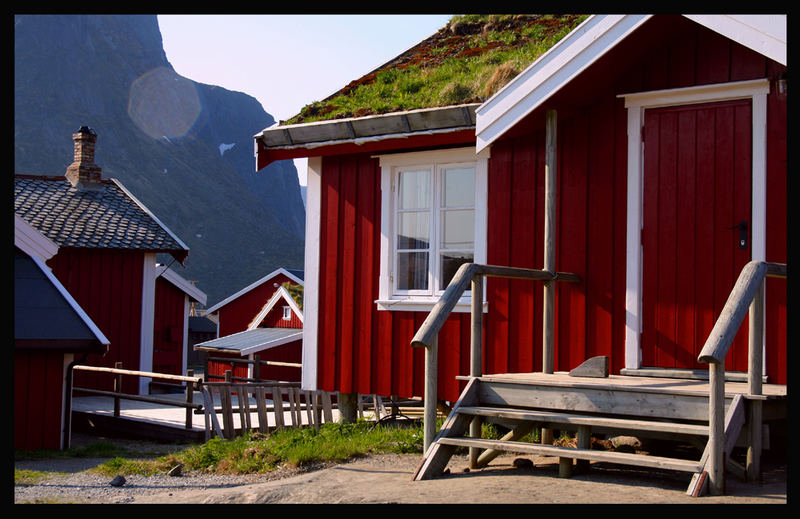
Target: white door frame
636	104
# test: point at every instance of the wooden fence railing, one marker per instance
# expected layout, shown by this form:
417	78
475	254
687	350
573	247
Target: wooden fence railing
192	384
256	362
746	297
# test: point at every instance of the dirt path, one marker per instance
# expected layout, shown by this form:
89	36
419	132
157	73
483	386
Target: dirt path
387	479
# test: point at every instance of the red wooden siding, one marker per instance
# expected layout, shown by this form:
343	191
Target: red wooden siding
38	392
274	319
238	314
361	349
591	223
107	284
291	352
168	328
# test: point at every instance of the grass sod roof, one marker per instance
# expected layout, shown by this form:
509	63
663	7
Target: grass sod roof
466	61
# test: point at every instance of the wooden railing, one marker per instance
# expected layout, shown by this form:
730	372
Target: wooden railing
256	362
192	384
472	274
747	296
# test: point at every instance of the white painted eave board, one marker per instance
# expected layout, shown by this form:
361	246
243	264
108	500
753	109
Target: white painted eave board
253	285
183	284
31	241
589	41
763	33
547	75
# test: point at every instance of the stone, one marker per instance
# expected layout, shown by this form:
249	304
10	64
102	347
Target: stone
175	471
117	481
596	367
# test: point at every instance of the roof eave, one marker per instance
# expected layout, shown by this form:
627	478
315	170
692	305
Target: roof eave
360	131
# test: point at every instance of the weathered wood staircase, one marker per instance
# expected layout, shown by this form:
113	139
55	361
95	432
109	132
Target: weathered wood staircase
620	404
616	405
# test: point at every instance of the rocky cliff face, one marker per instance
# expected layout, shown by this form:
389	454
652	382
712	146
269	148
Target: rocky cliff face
184	149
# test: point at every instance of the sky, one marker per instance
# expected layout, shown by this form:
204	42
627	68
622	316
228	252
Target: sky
288	61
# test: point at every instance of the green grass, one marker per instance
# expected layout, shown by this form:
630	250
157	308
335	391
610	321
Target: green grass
453	81
255	453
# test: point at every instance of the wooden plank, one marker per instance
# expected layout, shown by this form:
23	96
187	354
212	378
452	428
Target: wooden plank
261	408
327	411
594	421
277	407
600	400
622	458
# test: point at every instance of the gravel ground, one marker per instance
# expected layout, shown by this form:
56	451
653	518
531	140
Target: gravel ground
388	479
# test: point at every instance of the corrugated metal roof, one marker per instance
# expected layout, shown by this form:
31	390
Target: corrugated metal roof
109	217
251	341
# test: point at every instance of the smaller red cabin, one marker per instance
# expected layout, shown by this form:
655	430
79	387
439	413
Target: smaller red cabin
263	321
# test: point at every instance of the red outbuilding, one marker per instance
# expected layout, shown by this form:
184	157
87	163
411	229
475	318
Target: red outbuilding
264	321
671	175
108	243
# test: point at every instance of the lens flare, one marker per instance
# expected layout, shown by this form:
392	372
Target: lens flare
163	104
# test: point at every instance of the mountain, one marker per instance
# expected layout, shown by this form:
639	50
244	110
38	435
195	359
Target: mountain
183	148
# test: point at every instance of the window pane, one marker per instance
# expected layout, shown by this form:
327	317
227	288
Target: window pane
414	189
413	232
458	187
450	261
458	229
412	270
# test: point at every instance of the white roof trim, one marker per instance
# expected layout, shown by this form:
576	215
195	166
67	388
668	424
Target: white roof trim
763	33
279	294
244	336
588	42
253	285
70	300
554	69
31	241
188	288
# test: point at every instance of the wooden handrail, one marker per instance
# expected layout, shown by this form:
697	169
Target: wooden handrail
744	291
455	289
747	296
426	336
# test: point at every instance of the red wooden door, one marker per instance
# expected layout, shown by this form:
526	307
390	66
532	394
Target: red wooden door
696	212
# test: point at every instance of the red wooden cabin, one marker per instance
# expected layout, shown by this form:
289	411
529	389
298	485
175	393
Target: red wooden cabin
262	319
173	299
654	236
51	331
108	243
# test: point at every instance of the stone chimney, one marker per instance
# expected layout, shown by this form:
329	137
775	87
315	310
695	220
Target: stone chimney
83	173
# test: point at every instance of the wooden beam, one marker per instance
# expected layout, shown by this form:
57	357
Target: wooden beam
549	239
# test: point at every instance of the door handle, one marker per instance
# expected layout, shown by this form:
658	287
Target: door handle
742	226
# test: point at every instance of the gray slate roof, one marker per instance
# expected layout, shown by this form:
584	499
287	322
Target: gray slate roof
109	217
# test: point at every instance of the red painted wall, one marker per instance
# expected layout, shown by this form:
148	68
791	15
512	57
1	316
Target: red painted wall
274	319
168	329
361	349
291	352
236	316
107	284
38	402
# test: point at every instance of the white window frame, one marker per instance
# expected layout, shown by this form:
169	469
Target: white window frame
287	313
389	297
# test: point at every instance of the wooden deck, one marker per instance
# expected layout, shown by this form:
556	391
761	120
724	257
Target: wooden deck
638	383
95	414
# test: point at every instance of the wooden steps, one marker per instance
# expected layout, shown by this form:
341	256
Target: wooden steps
614	406
623	458
548	418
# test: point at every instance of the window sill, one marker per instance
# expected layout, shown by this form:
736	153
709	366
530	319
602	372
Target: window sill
424	305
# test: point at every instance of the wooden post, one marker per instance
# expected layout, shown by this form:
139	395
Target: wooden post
431	393
117	389
754	380
584	442
716	426
549	291
475	368
348	407
257	366
189	397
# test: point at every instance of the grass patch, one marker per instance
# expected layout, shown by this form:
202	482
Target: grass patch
255	452
451	76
